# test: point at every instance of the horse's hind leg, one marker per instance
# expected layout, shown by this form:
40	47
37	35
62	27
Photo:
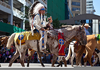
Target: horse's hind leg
15	56
30	53
89	58
39	57
72	58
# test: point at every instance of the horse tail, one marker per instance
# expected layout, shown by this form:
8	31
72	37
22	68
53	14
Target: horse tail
10	41
69	53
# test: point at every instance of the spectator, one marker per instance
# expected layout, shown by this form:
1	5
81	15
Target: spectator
1	20
14	23
0	57
8	22
17	25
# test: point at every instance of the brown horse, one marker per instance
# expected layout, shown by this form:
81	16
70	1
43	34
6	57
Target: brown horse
90	49
3	40
75	48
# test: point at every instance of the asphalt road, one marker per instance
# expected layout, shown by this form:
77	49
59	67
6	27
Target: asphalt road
33	65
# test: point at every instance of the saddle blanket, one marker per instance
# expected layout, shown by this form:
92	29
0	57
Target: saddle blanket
27	35
61	44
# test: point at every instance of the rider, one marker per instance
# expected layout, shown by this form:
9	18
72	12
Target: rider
39	22
86	29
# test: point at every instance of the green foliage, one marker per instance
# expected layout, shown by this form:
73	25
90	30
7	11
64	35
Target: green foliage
26	11
57	24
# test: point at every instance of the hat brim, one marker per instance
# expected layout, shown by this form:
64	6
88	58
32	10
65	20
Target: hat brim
88	26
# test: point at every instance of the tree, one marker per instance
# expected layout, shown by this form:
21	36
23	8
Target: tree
57	24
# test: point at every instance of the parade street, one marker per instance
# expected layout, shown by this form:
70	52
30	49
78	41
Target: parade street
34	65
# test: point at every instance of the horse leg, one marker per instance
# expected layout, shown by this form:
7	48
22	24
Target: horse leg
96	59
22	57
72	58
77	59
54	60
65	62
30	53
61	63
89	58
58	64
39	57
15	56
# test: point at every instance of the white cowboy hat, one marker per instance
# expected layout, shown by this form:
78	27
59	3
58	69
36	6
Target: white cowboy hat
35	7
87	25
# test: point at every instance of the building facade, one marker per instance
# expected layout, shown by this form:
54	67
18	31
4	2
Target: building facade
57	9
77	7
89	7
14	12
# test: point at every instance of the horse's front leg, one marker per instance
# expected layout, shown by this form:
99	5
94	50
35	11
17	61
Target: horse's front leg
39	57
22	57
54	60
15	56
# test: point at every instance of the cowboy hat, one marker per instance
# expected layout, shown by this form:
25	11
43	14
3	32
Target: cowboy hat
87	25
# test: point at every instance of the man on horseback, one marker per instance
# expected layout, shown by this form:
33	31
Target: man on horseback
86	29
39	23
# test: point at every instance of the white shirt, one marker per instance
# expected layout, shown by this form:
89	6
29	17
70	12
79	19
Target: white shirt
37	22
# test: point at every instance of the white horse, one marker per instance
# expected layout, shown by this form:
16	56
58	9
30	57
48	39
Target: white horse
70	33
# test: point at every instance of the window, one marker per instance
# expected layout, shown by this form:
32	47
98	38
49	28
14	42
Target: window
89	5
75	9
76	3
76	14
89	2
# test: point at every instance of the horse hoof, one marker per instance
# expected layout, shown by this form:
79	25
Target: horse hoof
9	66
27	66
23	66
43	66
53	66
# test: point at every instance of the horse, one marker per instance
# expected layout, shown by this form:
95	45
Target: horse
75	32
89	48
32	52
75	48
3	41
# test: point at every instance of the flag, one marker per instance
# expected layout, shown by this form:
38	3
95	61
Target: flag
61	44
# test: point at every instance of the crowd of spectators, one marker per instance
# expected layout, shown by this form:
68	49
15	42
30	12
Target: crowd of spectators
6	55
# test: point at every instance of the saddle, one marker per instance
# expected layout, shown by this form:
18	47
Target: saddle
27	35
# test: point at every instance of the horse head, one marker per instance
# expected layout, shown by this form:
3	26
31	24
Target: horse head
81	35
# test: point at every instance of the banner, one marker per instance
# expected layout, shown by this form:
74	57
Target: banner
61	44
